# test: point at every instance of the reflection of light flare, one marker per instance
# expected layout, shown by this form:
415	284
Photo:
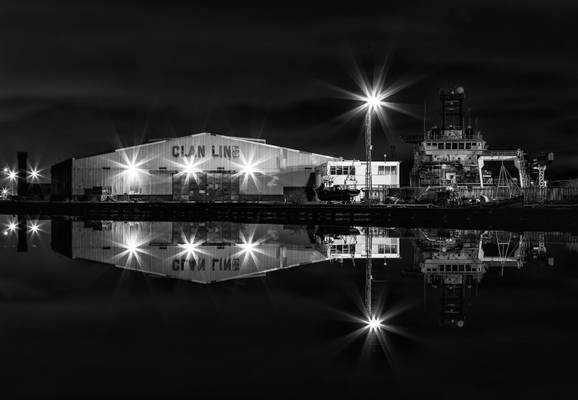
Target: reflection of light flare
190	247
249	247
34	228
372	328
11	227
132	248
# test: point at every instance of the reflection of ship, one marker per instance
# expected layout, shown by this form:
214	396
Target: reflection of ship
453	263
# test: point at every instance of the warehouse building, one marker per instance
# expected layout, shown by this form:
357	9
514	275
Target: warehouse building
200	167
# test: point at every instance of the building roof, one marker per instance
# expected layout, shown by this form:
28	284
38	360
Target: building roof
257	141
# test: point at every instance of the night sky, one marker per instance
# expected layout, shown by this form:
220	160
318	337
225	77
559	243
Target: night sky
83	77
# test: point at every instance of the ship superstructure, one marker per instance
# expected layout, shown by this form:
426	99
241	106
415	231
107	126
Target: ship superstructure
454	154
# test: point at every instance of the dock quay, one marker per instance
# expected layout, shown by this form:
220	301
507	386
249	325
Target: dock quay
521	218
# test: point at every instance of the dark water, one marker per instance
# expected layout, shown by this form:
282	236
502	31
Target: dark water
122	309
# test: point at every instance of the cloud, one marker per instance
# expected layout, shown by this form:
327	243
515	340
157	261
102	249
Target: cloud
236	67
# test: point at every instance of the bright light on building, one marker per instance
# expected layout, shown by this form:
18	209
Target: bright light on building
249	169
4	192
11	175
132	170
190	168
34	174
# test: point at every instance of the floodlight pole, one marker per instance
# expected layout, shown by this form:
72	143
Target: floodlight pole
368	276
368	146
368	236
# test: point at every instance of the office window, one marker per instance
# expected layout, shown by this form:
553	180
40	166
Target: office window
468	146
440	146
386	248
461	145
352	170
391	170
381	169
332	170
448	146
454	146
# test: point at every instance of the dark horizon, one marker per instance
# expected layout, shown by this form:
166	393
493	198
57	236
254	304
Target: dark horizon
80	78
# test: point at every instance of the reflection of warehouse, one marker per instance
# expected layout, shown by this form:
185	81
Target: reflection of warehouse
204	253
201	167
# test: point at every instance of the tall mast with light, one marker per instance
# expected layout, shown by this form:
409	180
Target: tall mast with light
374	100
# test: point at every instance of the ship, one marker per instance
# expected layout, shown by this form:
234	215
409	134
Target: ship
454	166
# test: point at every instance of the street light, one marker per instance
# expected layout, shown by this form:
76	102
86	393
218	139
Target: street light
373	323
373	100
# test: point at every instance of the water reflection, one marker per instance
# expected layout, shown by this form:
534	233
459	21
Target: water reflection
198	252
451	263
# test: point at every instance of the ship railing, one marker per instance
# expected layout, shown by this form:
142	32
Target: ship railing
502	153
441	136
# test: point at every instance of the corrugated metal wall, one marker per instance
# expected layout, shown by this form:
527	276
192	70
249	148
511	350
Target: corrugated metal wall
157	164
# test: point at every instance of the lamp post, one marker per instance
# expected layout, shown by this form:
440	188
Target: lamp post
374	101
368	148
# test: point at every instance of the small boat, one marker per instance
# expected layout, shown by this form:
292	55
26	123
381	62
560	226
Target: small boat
335	193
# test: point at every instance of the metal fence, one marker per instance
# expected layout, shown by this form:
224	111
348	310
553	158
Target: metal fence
563	195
